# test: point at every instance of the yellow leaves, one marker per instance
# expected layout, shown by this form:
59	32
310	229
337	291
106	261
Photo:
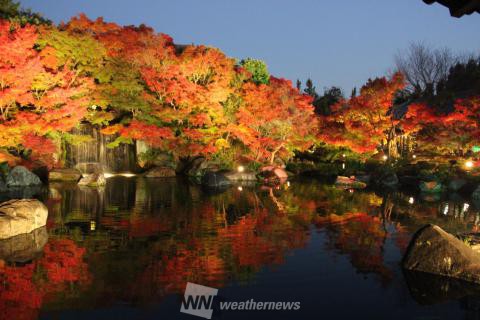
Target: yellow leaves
222	144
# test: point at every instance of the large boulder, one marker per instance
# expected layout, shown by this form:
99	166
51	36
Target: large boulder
215	180
456	184
21	216
349	182
240	176
432	250
389	180
93	180
273	175
160	172
67	175
476	194
24	247
430	186
273	170
22	177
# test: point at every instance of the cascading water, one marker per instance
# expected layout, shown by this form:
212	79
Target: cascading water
95	153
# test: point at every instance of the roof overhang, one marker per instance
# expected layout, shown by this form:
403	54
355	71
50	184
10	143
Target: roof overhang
458	8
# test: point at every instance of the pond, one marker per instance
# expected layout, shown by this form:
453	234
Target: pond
128	250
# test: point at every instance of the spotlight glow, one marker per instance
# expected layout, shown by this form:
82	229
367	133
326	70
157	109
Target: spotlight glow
127	174
411	200
469	164
240	188
108	175
240	169
414	156
384	157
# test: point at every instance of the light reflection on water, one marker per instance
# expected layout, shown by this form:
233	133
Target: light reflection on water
135	243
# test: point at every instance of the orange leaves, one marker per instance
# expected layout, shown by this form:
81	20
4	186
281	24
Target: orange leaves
363	122
279	119
149	133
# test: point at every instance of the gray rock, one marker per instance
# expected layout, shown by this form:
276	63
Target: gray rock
240	176
432	250
215	180
21	216
160	172
72	175
456	184
93	180
476	194
389	180
22	177
24	247
3	186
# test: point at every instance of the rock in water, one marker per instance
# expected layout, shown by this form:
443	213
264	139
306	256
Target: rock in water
476	194
389	180
430	186
215	180
93	180
350	182
160	172
21	216
64	175
432	250
24	247
241	176
22	177
456	184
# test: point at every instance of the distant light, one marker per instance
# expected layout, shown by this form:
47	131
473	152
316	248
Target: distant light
414	156
445	211
350	190
465	207
240	169
108	175
469	164
288	183
240	188
384	157
411	200
343	165
93	225
344	155
127	174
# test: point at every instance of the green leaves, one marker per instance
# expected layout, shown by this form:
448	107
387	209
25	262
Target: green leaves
258	69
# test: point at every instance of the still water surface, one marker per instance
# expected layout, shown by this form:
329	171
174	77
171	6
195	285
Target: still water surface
127	251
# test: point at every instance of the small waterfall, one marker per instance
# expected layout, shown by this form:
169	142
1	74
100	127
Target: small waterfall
95	153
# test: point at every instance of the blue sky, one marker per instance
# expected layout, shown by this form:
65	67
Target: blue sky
336	42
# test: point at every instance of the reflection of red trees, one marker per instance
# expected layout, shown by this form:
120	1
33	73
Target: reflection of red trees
253	241
23	289
361	237
136	226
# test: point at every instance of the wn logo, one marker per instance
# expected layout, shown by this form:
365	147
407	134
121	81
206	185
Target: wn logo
198	300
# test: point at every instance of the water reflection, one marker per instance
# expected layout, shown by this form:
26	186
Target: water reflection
136	241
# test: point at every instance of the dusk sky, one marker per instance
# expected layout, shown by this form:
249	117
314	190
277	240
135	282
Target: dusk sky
338	42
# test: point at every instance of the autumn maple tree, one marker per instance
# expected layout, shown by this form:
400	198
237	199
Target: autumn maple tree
367	121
